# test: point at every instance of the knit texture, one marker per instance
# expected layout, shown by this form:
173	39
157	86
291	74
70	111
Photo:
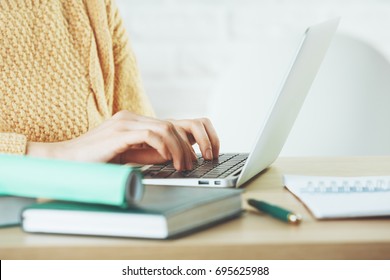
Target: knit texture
65	66
12	143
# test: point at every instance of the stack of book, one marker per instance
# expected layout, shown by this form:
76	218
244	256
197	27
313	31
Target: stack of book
104	200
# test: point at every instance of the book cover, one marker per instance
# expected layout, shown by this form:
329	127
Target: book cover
101	183
165	211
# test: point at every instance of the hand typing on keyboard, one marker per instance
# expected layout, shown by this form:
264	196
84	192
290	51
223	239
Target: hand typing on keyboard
187	133
202	132
127	137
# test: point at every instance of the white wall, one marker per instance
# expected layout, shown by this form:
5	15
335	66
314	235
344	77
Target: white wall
185	47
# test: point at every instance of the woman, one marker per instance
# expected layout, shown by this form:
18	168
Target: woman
69	89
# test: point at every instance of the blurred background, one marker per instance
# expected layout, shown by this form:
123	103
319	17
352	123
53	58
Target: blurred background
225	59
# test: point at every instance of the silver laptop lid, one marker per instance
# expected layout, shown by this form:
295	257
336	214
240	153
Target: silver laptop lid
289	100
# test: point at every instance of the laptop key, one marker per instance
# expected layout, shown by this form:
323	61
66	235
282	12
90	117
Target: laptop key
176	174
210	176
196	173
163	174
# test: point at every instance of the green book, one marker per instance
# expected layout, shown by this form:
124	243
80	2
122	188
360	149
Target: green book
101	183
164	212
11	208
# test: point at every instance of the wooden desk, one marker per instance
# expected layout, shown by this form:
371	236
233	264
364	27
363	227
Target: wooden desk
253	236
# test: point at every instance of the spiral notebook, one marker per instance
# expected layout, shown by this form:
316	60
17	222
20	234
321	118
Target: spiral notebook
342	197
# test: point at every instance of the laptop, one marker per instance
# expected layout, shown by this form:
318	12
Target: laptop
235	169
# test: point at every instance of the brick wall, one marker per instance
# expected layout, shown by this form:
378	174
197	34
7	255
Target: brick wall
184	47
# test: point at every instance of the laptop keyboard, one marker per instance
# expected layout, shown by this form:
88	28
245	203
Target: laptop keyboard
222	167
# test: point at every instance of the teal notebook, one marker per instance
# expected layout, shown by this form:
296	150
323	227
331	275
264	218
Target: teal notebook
164	212
11	208
101	183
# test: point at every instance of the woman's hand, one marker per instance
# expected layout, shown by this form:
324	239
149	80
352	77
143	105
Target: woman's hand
199	131
127	137
192	131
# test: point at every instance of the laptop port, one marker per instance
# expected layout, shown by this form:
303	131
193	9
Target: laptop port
217	183
203	182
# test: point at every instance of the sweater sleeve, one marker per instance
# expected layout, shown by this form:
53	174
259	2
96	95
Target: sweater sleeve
128	91
12	143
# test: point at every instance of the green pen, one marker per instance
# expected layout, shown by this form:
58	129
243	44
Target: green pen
276	211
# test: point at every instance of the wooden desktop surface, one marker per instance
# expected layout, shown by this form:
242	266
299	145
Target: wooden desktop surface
253	236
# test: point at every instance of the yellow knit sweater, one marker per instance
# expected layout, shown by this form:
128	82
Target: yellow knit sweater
65	66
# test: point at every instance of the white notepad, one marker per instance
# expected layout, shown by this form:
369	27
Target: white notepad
342	197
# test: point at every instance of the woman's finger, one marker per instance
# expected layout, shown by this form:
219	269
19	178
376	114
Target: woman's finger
204	134
178	150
